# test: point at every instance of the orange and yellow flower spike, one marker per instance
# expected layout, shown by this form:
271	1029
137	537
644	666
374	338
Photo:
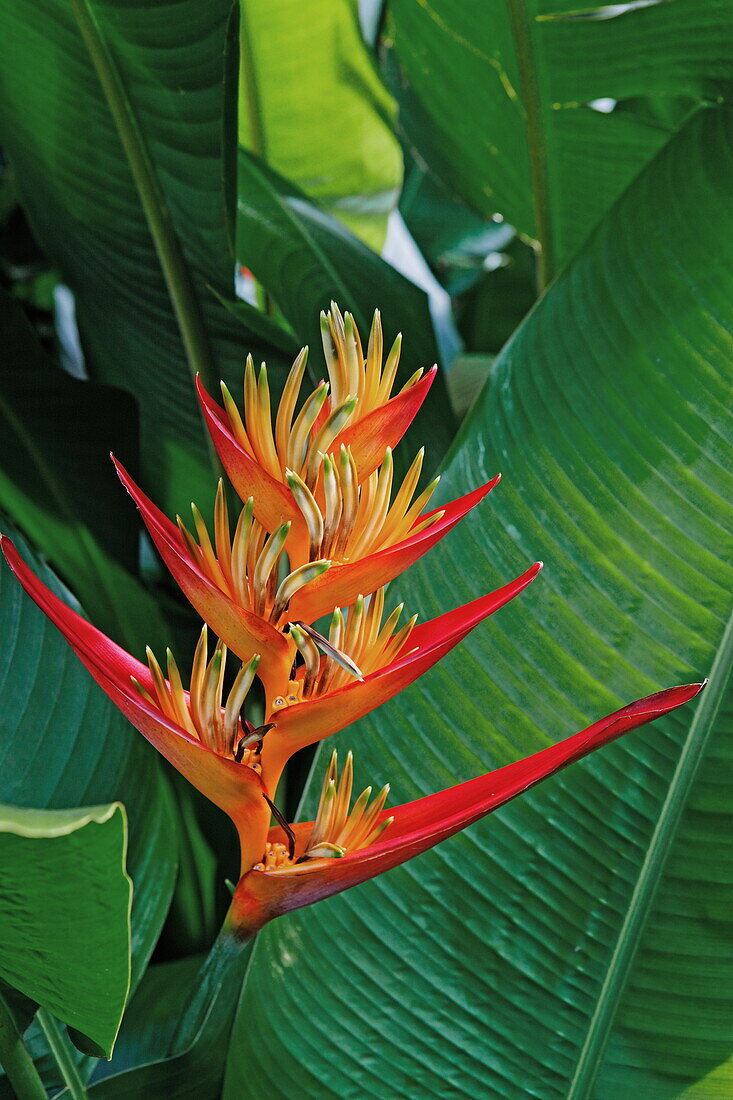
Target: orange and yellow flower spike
355	408
322	527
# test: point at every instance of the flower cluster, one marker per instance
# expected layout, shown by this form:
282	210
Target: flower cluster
320	530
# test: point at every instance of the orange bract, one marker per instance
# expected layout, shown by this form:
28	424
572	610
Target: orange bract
199	710
357	386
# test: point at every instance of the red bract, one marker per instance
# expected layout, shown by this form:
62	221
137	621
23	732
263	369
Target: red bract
273	502
368	439
235	788
370	436
244	632
338	586
304	723
417	826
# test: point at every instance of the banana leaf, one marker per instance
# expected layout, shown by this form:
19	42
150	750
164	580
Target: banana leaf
577	943
519	98
312	105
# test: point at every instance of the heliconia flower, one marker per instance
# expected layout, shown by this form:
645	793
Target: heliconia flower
358	412
346	846
234	584
213	578
383	560
338	828
324	698
205	742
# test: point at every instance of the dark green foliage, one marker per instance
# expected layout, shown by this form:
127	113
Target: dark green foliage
577	945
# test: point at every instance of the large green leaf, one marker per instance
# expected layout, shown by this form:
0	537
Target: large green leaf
62	744
312	106
58	484
165	77
583	933
508	88
65	914
191	1066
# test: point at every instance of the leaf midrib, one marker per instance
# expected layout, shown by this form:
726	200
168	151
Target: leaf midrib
176	271
253	99
519	20
601	1021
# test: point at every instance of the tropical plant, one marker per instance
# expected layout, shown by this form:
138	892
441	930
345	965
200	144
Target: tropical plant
202	187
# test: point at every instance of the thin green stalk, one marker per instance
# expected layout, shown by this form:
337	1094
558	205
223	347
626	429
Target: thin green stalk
59	1046
168	247
255	120
16	1061
521	23
252	102
619	968
216	985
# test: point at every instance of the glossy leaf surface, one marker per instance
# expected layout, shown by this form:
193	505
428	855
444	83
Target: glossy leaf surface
577	943
329	131
74	179
510	88
62	743
65	914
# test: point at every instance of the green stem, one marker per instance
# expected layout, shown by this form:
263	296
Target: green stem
253	105
217	983
619	968
520	23
168	247
16	1061
255	121
59	1046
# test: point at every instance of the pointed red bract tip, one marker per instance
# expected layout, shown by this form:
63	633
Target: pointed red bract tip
420	825
273	503
314	719
370	435
341	585
244	632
